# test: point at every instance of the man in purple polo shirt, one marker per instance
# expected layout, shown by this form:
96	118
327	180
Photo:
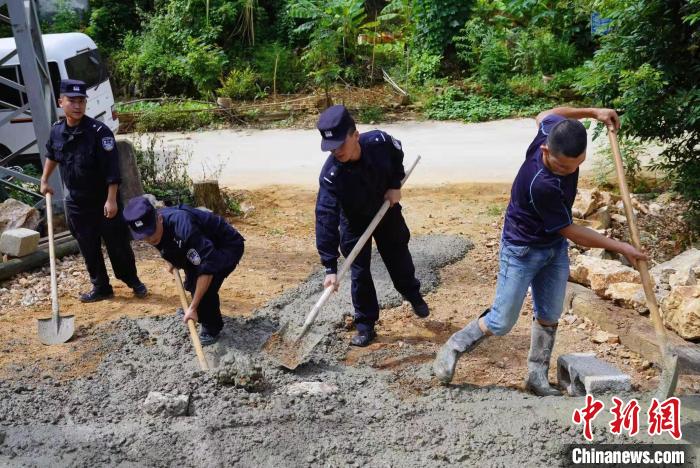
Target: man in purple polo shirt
534	247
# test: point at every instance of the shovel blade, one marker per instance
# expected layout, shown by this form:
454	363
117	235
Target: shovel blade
289	348
56	330
669	376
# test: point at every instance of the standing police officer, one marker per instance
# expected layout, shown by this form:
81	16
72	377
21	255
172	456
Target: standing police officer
362	171
201	243
86	153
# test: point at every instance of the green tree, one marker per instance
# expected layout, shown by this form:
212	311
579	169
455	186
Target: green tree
648	65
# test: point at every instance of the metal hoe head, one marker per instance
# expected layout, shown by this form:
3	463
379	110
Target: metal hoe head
56	330
289	347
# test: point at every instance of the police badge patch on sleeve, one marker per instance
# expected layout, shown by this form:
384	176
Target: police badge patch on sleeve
194	257
396	142
108	143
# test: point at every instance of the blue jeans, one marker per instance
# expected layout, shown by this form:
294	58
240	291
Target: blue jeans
545	269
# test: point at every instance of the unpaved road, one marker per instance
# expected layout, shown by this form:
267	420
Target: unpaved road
452	152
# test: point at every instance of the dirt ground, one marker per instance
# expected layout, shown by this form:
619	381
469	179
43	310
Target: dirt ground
280	253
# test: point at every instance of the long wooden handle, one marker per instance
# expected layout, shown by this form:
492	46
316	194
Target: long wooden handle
190	323
52	257
345	267
642	265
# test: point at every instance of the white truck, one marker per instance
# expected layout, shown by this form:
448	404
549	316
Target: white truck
70	55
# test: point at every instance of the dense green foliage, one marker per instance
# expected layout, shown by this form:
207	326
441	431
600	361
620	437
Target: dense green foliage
458	59
649	67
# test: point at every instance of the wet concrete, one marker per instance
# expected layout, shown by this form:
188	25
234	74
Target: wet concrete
243	412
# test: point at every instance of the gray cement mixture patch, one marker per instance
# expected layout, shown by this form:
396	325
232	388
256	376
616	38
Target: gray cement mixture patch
242	413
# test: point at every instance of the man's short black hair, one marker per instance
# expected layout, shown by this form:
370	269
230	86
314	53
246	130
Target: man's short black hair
352	128
567	138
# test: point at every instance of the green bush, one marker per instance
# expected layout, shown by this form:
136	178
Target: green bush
495	60
171	116
289	74
370	114
163	172
240	84
552	54
424	67
645	66
455	104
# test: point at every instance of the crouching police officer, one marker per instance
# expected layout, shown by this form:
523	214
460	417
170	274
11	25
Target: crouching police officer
86	153
362	171
201	243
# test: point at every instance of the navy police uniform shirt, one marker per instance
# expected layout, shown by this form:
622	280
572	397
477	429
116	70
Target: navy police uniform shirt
540	201
355	190
197	241
88	159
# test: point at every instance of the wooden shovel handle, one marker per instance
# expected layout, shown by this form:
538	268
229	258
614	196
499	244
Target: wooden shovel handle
642	265
190	323
52	256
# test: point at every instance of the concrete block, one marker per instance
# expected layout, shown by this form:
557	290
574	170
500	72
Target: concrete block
19	242
582	373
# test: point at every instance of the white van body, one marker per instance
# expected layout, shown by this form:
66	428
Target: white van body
70	55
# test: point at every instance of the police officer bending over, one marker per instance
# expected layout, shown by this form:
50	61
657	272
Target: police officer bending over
86	153
362	171
201	243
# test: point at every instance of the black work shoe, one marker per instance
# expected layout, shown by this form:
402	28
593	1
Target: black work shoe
420	308
362	339
96	295
140	291
206	338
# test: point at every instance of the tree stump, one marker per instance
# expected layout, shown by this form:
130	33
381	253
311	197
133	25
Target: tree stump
206	193
131	185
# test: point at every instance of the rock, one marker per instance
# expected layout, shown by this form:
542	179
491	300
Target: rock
630	295
599	274
15	214
311	388
570	319
656	209
608	199
621	219
601	336
601	218
19	242
166	404
600	253
688	260
681	311
685	277
586	202
613	339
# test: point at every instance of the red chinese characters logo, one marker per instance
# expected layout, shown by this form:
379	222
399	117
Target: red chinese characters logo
587	415
665	417
662	417
626	418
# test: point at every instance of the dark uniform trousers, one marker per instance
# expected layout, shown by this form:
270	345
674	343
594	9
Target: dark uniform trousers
89	226
209	310
392	236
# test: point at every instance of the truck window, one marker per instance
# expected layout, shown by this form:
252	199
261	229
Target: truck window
87	67
55	79
9	94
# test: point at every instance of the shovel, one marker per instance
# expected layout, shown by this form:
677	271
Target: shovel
669	359
289	346
57	329
190	323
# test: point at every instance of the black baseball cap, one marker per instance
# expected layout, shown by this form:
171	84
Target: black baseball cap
334	123
73	88
140	215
